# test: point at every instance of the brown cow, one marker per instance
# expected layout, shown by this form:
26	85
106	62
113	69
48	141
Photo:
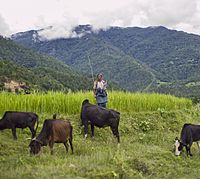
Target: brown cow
53	131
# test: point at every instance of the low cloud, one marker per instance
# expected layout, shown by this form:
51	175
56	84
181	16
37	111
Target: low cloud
180	15
57	31
4	28
63	28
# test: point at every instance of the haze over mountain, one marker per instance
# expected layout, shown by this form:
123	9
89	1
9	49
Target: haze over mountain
137	59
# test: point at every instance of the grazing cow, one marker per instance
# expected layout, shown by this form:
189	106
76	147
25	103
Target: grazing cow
190	133
53	131
100	117
13	120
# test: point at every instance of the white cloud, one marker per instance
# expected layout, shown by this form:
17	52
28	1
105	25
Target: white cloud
168	13
60	29
64	15
171	13
4	28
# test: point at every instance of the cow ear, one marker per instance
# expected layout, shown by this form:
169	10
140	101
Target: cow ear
85	101
177	139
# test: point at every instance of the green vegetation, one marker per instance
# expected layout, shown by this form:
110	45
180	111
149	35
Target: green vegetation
148	125
134	58
37	71
172	56
70	103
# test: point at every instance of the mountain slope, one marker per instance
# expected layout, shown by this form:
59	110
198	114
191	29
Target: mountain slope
40	71
172	54
139	59
92	55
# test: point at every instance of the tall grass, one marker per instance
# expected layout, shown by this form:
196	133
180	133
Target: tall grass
137	102
70	103
145	151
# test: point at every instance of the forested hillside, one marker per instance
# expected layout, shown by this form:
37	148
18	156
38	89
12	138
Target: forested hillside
173	55
138	59
37	71
93	55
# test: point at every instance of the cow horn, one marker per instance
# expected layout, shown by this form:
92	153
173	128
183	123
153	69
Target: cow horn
28	138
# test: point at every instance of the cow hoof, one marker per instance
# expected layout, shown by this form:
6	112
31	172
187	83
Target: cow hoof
85	136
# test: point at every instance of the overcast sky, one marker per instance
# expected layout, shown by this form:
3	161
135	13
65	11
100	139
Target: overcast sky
63	15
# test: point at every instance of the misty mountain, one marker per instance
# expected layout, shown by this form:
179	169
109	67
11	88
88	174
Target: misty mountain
153	59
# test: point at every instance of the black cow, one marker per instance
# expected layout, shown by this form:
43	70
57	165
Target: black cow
13	120
53	131
190	133
100	117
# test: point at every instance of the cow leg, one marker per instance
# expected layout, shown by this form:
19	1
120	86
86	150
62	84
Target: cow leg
51	143
198	144
66	146
14	133
92	129
115	133
32	131
190	145
85	128
188	150
71	145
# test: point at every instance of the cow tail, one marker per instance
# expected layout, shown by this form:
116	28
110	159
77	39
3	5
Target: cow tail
117	132
70	138
71	131
117	122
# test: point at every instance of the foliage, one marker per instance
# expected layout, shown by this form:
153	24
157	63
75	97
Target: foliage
93	55
38	71
145	151
137	59
173	56
70	103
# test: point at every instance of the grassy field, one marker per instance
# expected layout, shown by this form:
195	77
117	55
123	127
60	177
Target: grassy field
148	125
70	103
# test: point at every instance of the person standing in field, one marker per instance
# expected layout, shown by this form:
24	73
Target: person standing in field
99	90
